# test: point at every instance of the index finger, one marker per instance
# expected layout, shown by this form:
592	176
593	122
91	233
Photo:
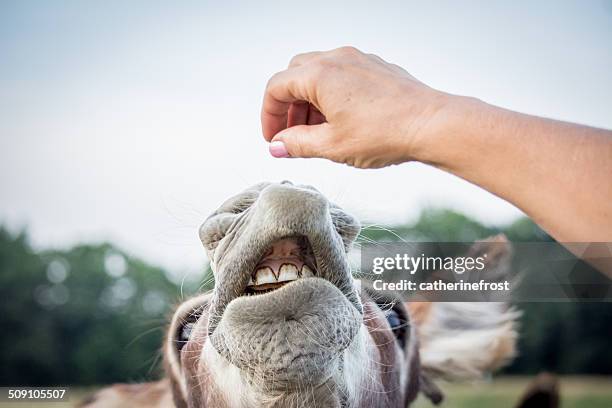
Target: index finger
284	88
301	59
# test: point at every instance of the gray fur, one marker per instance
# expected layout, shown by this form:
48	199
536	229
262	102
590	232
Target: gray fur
269	212
291	340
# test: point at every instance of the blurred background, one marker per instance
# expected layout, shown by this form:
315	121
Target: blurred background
123	125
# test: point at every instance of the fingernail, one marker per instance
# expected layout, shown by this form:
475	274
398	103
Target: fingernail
278	149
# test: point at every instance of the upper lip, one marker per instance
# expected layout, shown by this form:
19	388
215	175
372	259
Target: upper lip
234	279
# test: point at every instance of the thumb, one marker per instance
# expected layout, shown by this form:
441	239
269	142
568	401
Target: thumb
302	141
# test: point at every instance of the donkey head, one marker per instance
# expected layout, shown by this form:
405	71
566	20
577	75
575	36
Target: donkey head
286	325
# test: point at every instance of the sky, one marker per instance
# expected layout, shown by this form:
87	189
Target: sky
132	121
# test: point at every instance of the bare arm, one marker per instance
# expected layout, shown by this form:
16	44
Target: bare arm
354	108
559	173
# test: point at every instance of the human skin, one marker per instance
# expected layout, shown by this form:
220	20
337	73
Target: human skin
355	108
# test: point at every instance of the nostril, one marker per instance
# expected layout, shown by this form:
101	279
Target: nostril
214	229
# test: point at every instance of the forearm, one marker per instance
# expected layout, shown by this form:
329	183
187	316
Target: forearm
560	174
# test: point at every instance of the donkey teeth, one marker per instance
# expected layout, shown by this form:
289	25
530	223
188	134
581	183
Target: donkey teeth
288	272
307	272
264	275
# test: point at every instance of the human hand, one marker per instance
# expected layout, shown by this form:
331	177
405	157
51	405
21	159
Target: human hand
349	107
357	109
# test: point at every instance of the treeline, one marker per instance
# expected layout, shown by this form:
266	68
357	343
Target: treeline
94	315
88	315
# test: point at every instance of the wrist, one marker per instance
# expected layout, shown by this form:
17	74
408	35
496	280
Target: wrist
448	137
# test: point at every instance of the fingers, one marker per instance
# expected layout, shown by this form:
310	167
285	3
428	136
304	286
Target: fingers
303	58
284	97
298	114
315	117
289	95
304	113
286	100
304	140
283	89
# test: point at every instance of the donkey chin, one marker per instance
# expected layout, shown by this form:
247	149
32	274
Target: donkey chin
286	325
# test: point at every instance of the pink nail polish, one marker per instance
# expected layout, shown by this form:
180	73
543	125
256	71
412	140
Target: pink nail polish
278	149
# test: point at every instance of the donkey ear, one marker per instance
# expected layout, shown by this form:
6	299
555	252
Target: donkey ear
465	340
177	337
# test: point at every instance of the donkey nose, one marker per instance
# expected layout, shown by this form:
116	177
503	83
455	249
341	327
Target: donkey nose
289	198
292	209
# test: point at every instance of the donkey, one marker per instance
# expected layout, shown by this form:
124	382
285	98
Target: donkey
287	325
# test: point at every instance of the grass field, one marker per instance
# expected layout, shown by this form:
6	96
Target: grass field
576	392
504	392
